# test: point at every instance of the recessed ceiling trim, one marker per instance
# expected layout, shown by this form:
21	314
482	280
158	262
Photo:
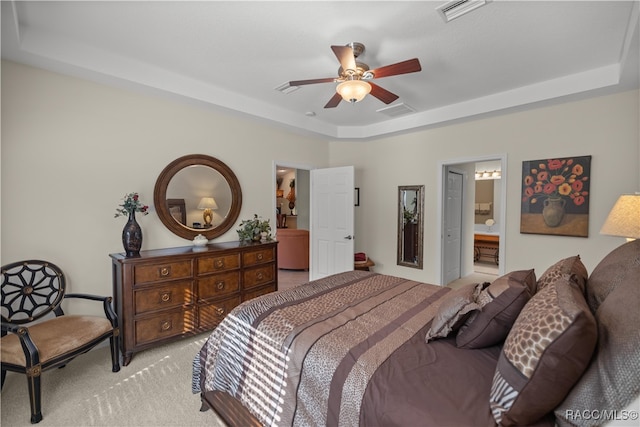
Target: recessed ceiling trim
456	8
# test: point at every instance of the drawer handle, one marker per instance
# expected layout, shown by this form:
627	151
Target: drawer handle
260	256
166	297
220	311
259	275
220	285
219	263
165	271
166	325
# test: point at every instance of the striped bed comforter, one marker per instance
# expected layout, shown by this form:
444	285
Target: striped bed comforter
305	356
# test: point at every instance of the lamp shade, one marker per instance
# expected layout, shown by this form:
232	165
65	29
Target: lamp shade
624	218
353	90
207	203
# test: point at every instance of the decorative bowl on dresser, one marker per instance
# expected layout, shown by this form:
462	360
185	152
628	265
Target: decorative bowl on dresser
166	294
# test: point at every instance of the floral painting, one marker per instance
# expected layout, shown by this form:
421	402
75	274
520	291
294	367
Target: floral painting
555	196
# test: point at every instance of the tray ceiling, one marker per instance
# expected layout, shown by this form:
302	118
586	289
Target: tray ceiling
233	55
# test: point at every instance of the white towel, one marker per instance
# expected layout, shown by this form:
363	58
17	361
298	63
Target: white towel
485	207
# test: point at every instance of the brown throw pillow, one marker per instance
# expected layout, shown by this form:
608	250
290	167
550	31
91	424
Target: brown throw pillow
545	353
501	303
455	306
612	380
572	265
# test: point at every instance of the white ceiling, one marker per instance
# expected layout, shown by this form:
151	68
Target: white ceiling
232	55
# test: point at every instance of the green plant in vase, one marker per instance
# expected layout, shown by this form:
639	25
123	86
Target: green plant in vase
255	229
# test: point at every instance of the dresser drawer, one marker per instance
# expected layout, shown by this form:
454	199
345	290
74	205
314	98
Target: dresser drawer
211	315
218	285
258	276
164	271
258	292
165	325
261	256
218	263
164	296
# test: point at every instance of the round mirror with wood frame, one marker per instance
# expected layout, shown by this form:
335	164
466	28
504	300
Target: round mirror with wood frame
174	203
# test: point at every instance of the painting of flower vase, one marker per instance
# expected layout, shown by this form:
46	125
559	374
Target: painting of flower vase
555	196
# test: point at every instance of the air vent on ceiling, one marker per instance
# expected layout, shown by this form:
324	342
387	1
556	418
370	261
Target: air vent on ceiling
286	88
396	110
456	8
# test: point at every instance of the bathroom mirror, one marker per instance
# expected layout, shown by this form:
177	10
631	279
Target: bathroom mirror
410	224
197	194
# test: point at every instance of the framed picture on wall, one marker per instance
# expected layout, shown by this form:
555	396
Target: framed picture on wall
555	196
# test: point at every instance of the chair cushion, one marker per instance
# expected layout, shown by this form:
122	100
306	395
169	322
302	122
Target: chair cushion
55	337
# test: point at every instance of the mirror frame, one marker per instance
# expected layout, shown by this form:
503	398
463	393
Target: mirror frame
160	196
419	189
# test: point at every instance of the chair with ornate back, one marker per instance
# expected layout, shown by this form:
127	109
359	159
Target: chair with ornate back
30	292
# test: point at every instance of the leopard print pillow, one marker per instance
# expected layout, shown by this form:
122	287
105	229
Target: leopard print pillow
572	265
544	355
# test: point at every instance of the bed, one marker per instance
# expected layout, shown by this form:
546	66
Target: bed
361	348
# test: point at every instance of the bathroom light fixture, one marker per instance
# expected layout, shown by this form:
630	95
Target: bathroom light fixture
353	90
495	174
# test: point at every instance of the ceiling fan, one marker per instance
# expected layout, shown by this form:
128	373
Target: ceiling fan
355	77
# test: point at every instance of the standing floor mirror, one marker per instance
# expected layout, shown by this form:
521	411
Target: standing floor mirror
410	224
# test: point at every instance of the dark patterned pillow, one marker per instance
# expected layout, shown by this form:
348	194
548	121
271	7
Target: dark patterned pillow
501	303
612	380
454	309
572	265
545	353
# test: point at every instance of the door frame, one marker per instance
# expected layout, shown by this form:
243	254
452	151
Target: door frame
443	166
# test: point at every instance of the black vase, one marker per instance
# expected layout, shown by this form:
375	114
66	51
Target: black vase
132	236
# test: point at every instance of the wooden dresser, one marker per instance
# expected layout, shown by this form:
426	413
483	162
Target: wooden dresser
165	294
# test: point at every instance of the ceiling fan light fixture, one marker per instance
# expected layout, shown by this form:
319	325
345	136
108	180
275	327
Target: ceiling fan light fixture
353	90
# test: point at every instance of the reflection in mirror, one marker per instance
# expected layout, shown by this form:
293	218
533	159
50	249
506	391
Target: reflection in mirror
410	225
197	194
206	195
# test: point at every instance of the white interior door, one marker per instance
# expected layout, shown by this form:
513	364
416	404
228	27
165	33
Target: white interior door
332	192
452	226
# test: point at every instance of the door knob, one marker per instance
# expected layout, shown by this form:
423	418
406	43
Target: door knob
349	237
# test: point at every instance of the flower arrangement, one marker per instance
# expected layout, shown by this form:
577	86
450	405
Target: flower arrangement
555	178
131	203
254	229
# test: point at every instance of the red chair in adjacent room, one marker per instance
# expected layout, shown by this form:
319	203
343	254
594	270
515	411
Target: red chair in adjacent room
293	249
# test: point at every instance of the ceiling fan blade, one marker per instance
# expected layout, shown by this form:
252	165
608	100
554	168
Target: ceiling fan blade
334	101
404	67
382	94
311	81
345	56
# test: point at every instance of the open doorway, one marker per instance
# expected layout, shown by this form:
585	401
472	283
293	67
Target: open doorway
292	222
458	209
291	198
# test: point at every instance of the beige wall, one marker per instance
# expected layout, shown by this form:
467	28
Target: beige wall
605	128
71	149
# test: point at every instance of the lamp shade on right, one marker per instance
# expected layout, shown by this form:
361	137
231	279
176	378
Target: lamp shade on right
624	218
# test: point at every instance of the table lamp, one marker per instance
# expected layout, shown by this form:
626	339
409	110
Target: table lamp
624	218
208	204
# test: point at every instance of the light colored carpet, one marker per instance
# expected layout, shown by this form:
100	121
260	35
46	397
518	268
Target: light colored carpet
154	390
